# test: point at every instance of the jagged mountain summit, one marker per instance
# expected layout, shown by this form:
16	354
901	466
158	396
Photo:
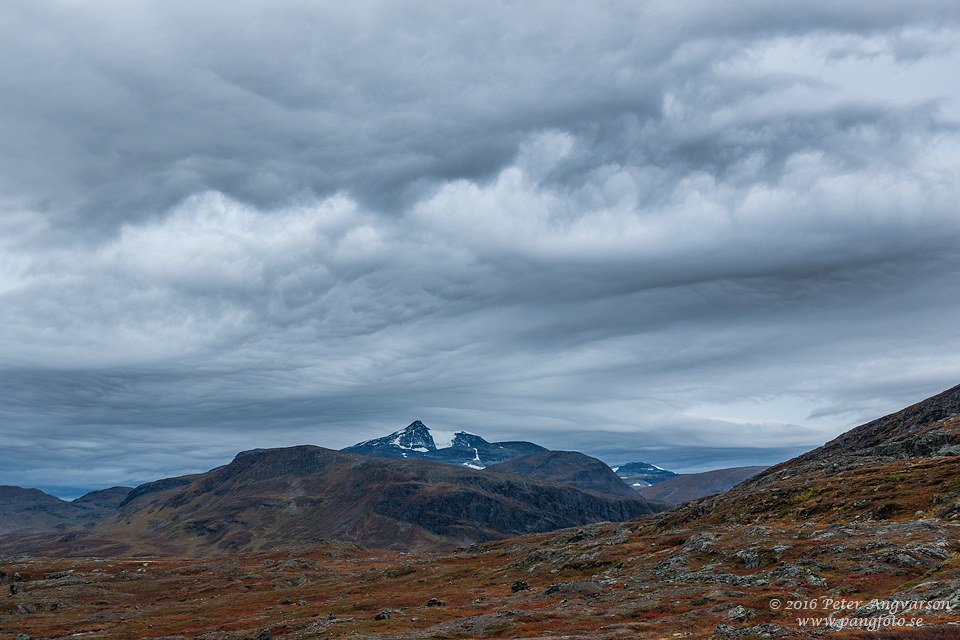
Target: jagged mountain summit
418	442
641	474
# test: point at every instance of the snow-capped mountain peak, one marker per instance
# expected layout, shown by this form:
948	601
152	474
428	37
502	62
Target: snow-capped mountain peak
416	441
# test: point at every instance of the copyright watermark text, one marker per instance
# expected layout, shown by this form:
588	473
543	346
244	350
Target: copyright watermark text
890	607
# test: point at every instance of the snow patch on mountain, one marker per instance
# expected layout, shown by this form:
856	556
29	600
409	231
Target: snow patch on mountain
442	439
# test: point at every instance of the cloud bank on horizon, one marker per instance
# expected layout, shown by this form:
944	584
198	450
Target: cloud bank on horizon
690	234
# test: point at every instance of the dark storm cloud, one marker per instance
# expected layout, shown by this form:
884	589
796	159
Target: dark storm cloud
113	112
692	234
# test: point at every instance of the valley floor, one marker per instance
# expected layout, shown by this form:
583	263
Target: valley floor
632	580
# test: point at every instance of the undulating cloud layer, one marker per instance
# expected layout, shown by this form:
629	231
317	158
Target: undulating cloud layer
689	233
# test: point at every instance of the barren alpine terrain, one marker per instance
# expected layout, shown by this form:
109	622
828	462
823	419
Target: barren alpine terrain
859	538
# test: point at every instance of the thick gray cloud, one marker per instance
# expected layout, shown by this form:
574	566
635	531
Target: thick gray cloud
691	234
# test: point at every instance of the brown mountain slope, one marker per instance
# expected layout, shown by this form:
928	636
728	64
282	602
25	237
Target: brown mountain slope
33	509
917	431
571	468
298	494
690	486
899	467
106	499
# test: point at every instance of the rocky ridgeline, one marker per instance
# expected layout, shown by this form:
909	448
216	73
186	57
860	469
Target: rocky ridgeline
900	467
925	429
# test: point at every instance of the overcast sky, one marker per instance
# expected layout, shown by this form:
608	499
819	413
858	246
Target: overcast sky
691	233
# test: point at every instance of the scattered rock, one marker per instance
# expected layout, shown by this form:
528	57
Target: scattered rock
749	558
740	613
700	542
760	630
816	581
574	588
265	635
22	636
56	574
901	559
519	585
383	615
435	602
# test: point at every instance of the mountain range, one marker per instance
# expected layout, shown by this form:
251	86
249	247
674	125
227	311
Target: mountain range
857	539
364	511
267	497
417	441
